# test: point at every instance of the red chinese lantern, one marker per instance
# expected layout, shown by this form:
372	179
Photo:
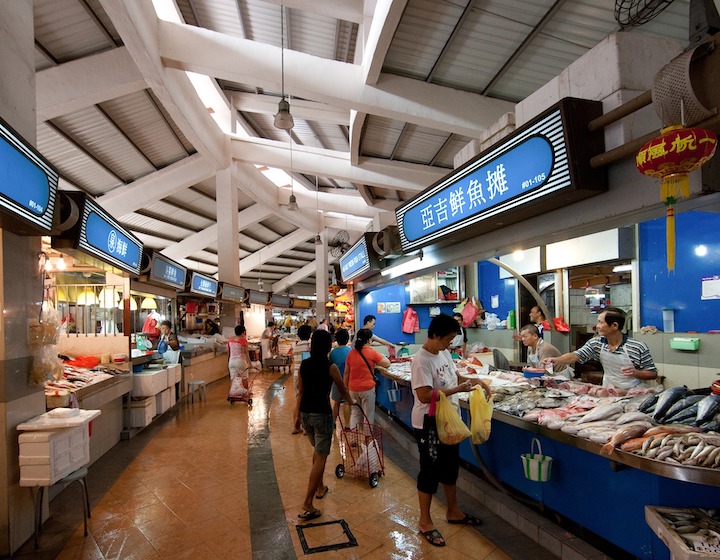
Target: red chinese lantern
671	157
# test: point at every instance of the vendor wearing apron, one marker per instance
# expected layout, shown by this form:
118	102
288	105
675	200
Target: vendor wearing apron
626	362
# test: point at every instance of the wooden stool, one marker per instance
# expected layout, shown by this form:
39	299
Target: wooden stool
79	476
200	386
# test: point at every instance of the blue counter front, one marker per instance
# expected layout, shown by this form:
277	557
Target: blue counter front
603	495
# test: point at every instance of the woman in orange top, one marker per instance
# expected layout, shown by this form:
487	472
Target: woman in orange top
359	369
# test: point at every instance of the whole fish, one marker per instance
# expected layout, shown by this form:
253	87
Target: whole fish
633	416
649	402
680	405
684	415
573	428
671	429
668	398
633	444
603	412
624	434
707	409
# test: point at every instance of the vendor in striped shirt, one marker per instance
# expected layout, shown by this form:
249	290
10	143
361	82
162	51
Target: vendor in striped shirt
626	362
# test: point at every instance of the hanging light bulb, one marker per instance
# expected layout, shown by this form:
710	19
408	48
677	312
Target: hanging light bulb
61	265
318	239
283	119
292	203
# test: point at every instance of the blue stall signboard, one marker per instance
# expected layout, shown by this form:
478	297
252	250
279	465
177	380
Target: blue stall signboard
523	169
102	236
203	285
28	186
231	293
167	271
356	261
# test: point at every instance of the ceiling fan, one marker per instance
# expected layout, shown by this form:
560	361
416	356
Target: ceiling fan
340	243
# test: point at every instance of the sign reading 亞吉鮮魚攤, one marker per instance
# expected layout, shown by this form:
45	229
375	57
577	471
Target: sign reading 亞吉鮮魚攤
203	285
543	165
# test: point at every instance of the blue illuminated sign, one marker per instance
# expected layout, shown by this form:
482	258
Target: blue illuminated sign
28	185
166	271
203	285
355	261
101	235
232	293
530	171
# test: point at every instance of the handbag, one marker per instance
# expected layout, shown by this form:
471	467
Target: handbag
375	376
430	429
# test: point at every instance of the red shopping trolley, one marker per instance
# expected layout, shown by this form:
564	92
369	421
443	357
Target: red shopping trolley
361	449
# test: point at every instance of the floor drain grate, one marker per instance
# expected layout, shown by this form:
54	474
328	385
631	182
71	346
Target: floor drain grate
306	527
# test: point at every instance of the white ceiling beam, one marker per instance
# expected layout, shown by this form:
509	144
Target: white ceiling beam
301	109
137	25
292	279
75	85
156	186
282	245
348	10
335	83
317	161
385	21
205	238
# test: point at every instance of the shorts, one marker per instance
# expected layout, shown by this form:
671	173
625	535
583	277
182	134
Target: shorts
335	394
319	429
444	470
237	366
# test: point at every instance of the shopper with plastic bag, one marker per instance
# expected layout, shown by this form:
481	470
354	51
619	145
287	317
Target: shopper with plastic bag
433	371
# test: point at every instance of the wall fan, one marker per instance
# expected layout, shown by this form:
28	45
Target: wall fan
340	243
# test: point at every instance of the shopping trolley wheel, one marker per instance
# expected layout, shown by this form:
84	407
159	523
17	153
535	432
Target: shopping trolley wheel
374	479
249	402
340	471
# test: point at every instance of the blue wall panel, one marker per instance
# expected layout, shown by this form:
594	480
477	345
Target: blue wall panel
681	288
490	284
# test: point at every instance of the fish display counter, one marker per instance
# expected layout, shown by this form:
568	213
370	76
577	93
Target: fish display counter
616	455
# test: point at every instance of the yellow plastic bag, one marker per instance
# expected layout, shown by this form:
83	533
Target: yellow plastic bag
451	429
481	409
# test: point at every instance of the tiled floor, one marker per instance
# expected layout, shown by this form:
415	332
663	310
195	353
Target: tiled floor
212	480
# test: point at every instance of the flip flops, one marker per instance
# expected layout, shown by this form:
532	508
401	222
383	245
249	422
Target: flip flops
434	537
321	494
467	520
309	514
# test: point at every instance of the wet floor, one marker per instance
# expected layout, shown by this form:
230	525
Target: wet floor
211	480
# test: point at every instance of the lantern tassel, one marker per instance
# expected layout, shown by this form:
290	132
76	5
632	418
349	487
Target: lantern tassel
676	186
670	237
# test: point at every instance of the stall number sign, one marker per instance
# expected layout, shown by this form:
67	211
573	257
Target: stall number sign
355	261
203	285
167	272
531	165
28	185
101	236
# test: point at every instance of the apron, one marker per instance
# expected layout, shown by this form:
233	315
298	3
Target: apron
612	363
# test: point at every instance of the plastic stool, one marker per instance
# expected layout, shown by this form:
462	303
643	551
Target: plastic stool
79	476
200	386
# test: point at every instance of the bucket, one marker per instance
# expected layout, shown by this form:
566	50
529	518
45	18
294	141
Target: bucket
394	394
536	466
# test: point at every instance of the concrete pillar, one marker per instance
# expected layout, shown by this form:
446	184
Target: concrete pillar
20	284
321	277
226	198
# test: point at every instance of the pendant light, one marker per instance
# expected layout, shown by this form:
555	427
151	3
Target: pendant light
283	118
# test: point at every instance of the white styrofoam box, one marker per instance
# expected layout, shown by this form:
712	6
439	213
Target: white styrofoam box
174	373
149	384
162	400
138	414
173	397
48	456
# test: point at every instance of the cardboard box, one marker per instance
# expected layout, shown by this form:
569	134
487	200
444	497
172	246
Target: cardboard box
48	456
139	413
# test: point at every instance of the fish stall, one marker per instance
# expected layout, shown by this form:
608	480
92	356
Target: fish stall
613	454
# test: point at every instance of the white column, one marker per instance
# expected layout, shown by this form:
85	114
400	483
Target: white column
321	277
20	283
228	237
